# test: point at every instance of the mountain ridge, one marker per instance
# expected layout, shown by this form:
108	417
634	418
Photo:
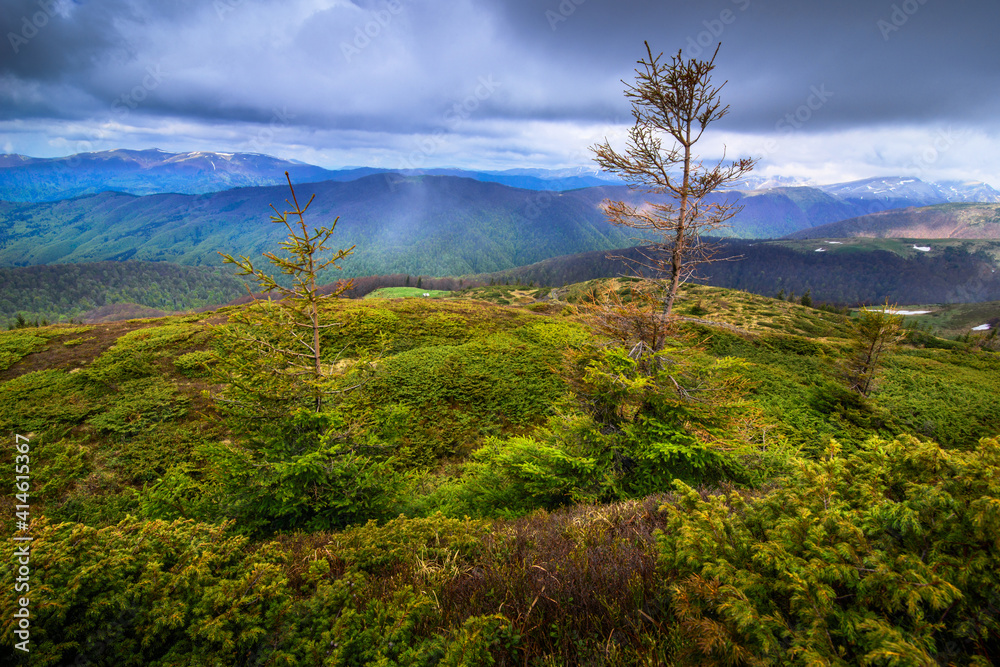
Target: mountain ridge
429	225
154	171
947	221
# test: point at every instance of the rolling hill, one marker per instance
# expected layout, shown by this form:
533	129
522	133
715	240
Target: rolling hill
943	221
501	487
429	225
432	225
859	271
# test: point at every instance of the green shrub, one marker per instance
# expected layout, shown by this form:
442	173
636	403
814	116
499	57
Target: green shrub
312	477
792	345
509	478
17	344
444	400
139	404
41	400
134	354
888	556
145	593
73	342
194	364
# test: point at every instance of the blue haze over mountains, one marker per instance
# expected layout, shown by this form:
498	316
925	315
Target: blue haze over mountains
157	206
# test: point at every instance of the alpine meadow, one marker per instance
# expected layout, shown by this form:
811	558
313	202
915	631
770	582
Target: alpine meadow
705	373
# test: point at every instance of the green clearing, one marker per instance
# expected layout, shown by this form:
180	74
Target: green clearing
404	292
954	319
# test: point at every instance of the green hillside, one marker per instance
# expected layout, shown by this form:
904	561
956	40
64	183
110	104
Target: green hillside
503	484
842	271
74	291
421	225
426	225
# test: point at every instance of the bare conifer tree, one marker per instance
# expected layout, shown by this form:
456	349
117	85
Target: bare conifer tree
675	100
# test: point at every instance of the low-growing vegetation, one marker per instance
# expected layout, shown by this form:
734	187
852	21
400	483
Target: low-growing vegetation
490	483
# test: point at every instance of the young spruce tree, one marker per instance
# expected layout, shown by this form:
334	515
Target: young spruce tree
297	313
874	335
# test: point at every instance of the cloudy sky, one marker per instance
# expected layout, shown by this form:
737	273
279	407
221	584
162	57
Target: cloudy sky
819	89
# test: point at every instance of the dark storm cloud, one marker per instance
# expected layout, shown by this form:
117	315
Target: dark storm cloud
884	61
424	76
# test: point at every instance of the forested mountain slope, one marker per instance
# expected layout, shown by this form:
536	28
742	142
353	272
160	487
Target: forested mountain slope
429	225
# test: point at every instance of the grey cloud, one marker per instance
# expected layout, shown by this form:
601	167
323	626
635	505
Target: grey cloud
392	71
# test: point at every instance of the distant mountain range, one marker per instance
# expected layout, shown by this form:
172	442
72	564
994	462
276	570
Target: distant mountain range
29	179
143	172
448	222
943	221
916	192
885	192
857	271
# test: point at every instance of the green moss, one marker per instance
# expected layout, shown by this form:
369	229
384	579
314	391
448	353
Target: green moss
38	401
194	364
17	344
140	404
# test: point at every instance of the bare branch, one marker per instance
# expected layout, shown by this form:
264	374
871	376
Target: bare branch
674	98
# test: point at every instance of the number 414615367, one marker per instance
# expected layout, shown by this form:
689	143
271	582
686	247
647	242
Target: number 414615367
23	481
